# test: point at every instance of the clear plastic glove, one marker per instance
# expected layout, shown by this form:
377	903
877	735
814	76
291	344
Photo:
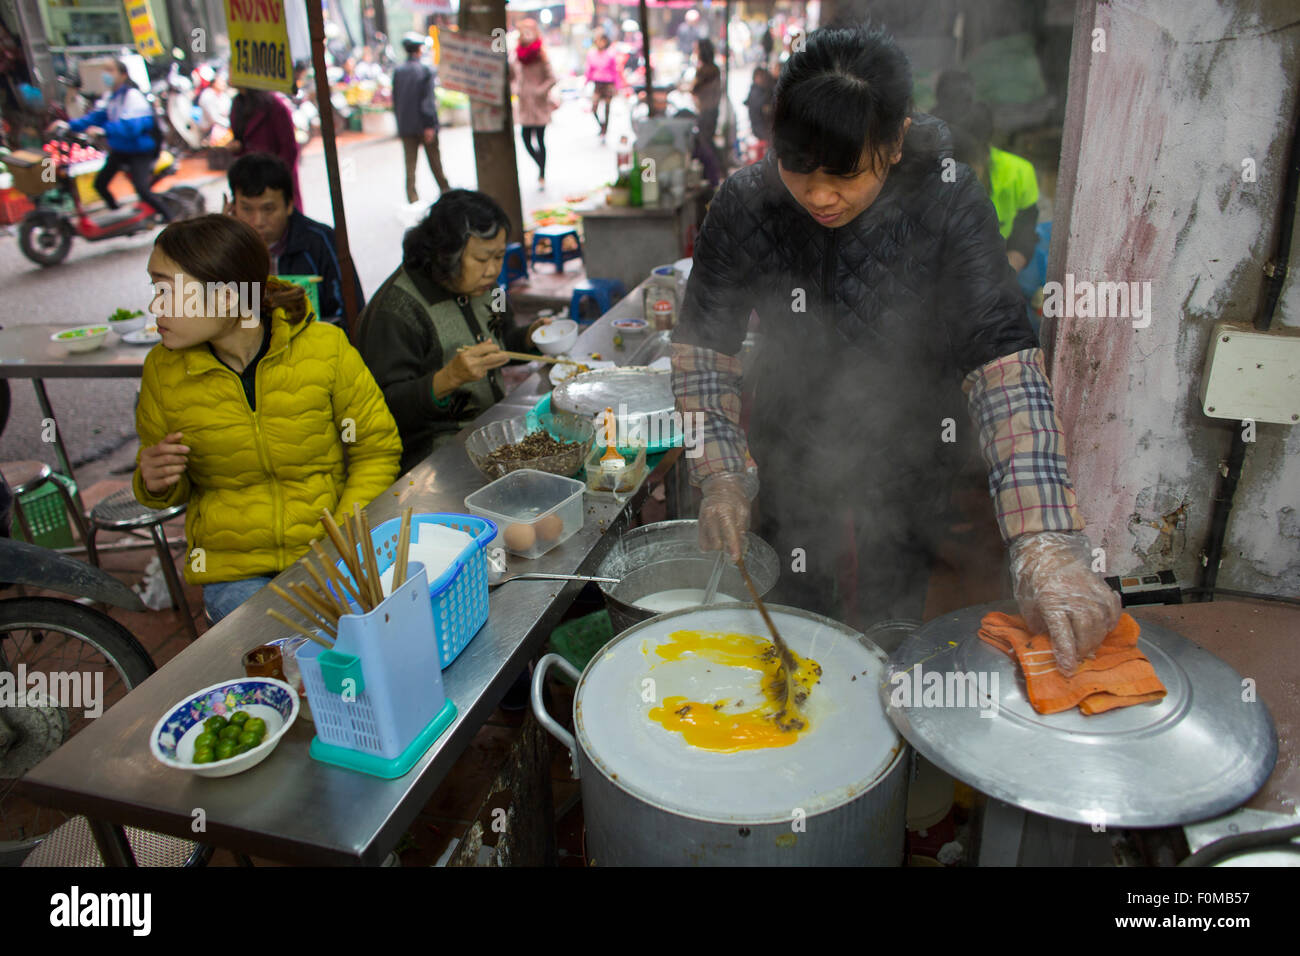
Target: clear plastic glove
724	513
1058	592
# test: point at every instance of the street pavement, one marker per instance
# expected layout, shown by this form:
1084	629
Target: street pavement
97	416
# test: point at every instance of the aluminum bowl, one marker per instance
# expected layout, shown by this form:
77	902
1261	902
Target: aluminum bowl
560	425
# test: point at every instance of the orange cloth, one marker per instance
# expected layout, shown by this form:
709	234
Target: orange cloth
1117	676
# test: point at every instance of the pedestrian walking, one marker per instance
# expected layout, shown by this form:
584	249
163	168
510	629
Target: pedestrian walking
533	80
262	122
604	76
707	91
415	101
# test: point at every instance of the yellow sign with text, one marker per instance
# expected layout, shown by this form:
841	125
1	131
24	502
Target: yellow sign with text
259	45
142	28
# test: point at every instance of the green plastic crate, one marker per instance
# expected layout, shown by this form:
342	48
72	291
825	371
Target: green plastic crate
310	285
46	516
577	641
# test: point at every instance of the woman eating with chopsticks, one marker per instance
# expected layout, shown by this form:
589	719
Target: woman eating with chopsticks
434	333
246	410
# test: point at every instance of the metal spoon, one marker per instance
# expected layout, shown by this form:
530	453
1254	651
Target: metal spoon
544	576
711	589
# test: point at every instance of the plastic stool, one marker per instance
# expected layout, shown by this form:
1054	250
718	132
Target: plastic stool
515	265
121	512
553	238
73	844
26	476
604	292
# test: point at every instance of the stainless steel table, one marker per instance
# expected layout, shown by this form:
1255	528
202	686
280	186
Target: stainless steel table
291	807
27	352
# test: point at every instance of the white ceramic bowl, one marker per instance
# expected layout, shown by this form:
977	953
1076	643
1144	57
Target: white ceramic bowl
631	326
172	739
130	325
556	338
84	338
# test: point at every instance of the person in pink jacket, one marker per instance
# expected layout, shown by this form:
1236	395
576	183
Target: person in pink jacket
533	78
261	122
605	76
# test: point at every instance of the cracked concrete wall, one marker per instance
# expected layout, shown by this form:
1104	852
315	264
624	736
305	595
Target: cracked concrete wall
1152	190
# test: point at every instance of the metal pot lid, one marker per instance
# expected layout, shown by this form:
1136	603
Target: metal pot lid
1197	753
642	392
849	745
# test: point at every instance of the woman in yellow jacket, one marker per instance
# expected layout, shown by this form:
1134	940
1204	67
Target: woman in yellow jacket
257	423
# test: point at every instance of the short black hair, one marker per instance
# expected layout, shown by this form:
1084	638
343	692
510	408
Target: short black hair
850	88
435	245
255	173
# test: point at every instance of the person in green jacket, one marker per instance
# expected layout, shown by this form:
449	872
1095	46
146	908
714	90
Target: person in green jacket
1010	180
433	334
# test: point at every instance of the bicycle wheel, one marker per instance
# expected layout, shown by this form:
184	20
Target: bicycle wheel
74	663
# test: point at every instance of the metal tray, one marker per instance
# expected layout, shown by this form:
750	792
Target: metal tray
643	395
1197	753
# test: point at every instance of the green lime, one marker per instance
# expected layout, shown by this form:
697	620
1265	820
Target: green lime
225	749
255	724
250	738
230	732
241	748
205	740
213	724
204	755
239	716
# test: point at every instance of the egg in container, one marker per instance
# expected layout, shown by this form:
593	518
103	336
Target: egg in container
533	510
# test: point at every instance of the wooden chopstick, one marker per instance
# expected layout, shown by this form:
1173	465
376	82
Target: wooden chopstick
403	549
325	608
334	597
302	609
363	568
372	567
271	612
349	557
525	357
341	583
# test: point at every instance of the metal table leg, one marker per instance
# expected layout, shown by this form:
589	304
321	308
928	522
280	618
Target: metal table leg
60	452
112	842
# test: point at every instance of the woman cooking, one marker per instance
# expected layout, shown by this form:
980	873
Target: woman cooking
434	332
881	284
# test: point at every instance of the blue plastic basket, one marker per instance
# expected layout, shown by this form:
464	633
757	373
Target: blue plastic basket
459	596
377	697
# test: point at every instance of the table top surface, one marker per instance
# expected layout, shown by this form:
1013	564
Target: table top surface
1260	640
667	206
291	807
27	352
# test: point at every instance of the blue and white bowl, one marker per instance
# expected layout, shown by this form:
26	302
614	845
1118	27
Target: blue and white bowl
172	740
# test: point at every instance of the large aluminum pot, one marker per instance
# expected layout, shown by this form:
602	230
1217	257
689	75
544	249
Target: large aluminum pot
837	796
666	556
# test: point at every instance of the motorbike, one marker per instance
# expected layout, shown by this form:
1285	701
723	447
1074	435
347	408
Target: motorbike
45	234
61	664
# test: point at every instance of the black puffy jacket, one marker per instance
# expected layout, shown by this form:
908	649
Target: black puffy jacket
851	393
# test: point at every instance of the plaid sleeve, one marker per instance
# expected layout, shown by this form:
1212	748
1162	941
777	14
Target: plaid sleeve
707	387
1011	405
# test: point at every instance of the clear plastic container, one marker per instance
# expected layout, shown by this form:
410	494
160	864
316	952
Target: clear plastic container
534	511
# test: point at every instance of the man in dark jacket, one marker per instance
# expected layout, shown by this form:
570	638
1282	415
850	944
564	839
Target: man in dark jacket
415	101
261	188
882	288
